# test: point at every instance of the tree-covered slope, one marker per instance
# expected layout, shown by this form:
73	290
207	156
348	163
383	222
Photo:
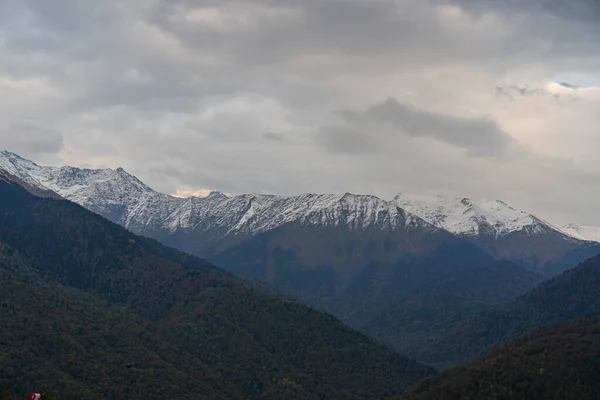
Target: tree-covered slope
216	333
59	339
556	362
383	296
571	295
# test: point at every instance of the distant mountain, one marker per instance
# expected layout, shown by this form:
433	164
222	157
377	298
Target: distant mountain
209	225
555	362
381	296
82	296
582	232
495	226
571	295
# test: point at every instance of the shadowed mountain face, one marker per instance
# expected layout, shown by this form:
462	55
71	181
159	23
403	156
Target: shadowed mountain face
337	254
572	295
560	361
541	251
187	324
388	296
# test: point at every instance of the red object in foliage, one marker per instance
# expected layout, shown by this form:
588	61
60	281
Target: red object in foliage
34	396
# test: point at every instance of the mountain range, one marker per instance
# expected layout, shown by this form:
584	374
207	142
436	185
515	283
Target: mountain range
429	276
217	221
81	298
386	267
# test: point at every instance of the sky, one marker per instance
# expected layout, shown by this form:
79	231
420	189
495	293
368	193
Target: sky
494	99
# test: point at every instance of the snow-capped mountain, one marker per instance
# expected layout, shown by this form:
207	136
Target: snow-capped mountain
582	232
206	225
495	226
124	199
463	216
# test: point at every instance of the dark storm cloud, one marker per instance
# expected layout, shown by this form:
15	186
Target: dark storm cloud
369	131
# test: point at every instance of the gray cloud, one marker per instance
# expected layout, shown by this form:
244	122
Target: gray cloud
367	131
526	91
273	136
196	94
30	139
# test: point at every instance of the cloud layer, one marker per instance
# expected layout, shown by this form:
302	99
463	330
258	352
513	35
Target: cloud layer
480	98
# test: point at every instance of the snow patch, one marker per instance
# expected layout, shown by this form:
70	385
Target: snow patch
464	216
582	232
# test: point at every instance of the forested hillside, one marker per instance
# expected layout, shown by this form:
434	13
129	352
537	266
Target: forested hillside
571	295
556	362
384	298
105	297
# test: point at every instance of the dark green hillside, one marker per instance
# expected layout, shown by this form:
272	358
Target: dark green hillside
471	286
556	362
211	331
572	295
57	338
446	284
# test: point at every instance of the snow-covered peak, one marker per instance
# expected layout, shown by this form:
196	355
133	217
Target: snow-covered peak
80	185
216	195
124	199
465	216
582	232
257	213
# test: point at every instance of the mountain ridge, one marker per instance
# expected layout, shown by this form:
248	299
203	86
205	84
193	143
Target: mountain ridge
93	189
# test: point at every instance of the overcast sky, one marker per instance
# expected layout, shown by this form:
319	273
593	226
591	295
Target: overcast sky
478	98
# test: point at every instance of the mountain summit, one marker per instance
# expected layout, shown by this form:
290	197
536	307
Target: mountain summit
464	216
